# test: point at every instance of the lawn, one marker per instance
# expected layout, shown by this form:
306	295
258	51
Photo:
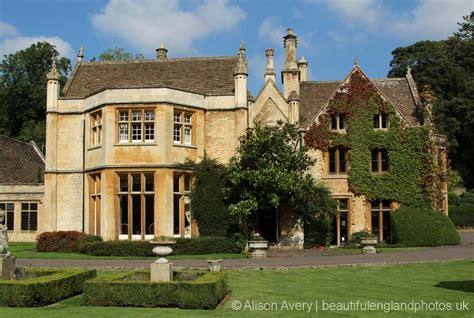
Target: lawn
442	282
28	250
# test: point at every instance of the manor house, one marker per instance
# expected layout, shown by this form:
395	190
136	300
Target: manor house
117	134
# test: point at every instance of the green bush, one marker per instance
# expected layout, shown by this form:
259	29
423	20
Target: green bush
63	241
40	287
133	288
356	237
422	226
463	215
192	246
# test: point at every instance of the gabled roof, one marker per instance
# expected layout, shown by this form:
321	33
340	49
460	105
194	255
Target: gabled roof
205	75
20	162
316	94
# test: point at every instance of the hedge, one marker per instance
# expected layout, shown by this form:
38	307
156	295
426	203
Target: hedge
462	215
63	241
422	226
191	246
133	288
40	287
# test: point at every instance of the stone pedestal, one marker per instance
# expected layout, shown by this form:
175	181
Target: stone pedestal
7	268
214	265
369	250
258	254
161	272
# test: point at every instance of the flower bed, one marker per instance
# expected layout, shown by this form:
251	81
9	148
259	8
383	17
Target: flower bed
189	289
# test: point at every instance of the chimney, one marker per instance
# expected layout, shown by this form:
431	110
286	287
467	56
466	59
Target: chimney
240	78
161	53
290	73
270	72
302	67
80	55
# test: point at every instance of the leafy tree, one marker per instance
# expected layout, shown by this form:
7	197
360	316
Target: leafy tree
207	199
119	54
23	91
271	171
447	66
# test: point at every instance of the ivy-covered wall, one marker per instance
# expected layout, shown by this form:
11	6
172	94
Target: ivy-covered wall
410	176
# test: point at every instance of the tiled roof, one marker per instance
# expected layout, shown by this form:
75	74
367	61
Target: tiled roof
315	94
207	76
20	163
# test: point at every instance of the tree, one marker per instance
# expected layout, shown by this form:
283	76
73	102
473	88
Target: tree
23	91
119	54
447	67
270	172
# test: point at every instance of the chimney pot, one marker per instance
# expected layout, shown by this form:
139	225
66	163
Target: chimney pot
161	53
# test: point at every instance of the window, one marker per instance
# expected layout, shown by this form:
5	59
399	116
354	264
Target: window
381	120
341	222
94	204
29	216
9	209
182	128
136	194
182	220
379	162
137	125
338	161
96	129
381	219
338	122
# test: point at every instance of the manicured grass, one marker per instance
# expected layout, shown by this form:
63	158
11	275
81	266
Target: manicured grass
28	250
442	282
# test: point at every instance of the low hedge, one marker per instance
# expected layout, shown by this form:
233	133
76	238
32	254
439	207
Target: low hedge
126	289
462	215
63	241
422	226
191	246
40	287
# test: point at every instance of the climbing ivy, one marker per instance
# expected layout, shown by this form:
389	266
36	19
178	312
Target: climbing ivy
411	174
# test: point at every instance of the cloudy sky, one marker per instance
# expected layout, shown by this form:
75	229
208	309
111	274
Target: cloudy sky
331	34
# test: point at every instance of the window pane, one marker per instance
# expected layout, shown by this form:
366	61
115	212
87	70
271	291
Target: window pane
384	156
342	160
136	181
33	206
177	117
24	206
375	161
176	214
384	120
123	214
123	182
149	132
187	118
375	205
24	221
33	221
2	206
332	160
149	182
342	121
187	183
376	121
343	204
123	116
333	122
187	135
136	132
136	116
177	134
176	178
149	115
386	204
375	223
10	220
136	211
10	207
123	133
149	215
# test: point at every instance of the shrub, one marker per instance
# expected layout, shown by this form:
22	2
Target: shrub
63	241
422	226
133	288
463	215
192	246
356	237
40	287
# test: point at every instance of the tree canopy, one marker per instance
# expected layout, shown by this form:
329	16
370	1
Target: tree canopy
447	67
119	54
23	91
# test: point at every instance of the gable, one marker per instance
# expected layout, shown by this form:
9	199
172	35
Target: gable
270	114
269	106
315	97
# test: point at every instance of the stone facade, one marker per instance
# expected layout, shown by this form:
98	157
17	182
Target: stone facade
117	136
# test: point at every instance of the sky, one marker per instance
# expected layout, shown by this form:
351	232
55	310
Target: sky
331	33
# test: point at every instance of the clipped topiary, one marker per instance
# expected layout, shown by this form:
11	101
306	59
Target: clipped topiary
423	226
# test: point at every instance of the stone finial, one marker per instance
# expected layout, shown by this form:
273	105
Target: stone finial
293	96
53	73
356	61
290	43
161	53
242	66
80	54
270	72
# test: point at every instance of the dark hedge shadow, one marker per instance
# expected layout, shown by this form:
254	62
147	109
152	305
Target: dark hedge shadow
463	285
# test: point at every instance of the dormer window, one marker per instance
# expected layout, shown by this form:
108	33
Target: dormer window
338	122
381	121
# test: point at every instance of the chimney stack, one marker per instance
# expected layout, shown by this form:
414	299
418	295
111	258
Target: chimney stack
161	53
270	72
290	73
302	67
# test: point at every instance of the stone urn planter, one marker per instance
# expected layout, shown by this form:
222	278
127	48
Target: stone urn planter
368	244
257	246
162	269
